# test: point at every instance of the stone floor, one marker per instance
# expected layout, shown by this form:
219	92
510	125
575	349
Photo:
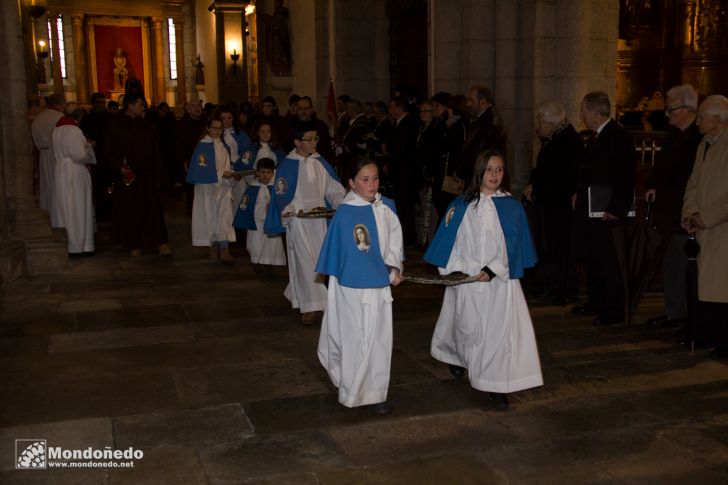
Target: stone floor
205	368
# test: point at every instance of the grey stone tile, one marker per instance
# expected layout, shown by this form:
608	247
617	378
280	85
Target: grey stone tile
164	465
156	315
118	338
60	400
322	410
265	456
461	469
246	382
188	428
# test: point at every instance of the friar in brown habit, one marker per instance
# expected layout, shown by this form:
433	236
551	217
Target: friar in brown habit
133	154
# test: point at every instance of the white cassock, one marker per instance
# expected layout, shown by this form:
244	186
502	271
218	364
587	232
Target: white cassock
265	151
486	327
72	187
355	344
304	237
212	208
42	131
264	249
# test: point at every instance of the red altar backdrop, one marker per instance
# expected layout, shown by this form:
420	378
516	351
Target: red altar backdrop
107	39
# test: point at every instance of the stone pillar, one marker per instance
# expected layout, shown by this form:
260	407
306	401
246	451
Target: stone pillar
56	53
179	35
25	233
79	56
159	87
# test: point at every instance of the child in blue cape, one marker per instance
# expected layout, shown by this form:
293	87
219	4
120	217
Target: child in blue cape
264	145
304	181
362	254
211	173
251	213
484	327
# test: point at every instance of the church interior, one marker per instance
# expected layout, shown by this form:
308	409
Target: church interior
153	354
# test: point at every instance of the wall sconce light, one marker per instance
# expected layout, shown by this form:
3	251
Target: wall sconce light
235	57
250	9
42	50
42	54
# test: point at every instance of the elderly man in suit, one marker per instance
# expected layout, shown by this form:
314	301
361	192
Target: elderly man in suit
609	167
705	213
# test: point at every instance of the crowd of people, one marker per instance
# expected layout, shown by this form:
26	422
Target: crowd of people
429	174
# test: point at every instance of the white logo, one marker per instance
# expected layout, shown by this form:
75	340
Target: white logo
30	454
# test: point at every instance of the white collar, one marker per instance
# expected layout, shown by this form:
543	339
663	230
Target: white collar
352	198
296	156
601	127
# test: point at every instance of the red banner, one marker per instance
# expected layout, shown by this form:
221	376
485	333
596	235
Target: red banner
108	38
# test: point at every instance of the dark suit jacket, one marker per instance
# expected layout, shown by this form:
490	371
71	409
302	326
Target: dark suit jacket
609	160
669	177
485	132
403	155
554	178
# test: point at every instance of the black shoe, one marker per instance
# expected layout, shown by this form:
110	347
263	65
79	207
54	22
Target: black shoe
381	408
656	321
500	400
583	310
457	371
75	255
608	319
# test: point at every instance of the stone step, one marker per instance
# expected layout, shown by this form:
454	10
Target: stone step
47	256
34	229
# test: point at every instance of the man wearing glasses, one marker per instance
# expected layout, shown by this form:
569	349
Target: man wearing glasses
665	187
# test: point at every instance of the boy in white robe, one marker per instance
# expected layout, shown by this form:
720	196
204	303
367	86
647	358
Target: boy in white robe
362	254
304	181
72	180
251	214
484	327
212	209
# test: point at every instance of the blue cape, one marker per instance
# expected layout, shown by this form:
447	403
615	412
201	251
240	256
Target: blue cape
246	162
354	265
519	245
202	168
285	189
245	215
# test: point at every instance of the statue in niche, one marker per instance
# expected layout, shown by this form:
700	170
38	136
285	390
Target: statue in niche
199	73
120	71
278	42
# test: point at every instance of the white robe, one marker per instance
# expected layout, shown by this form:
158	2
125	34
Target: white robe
72	187
262	248
355	344
42	131
304	237
212	208
486	327
265	151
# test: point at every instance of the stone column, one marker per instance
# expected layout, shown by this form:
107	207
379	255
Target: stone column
159	87
179	35
25	233
79	55
56	53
